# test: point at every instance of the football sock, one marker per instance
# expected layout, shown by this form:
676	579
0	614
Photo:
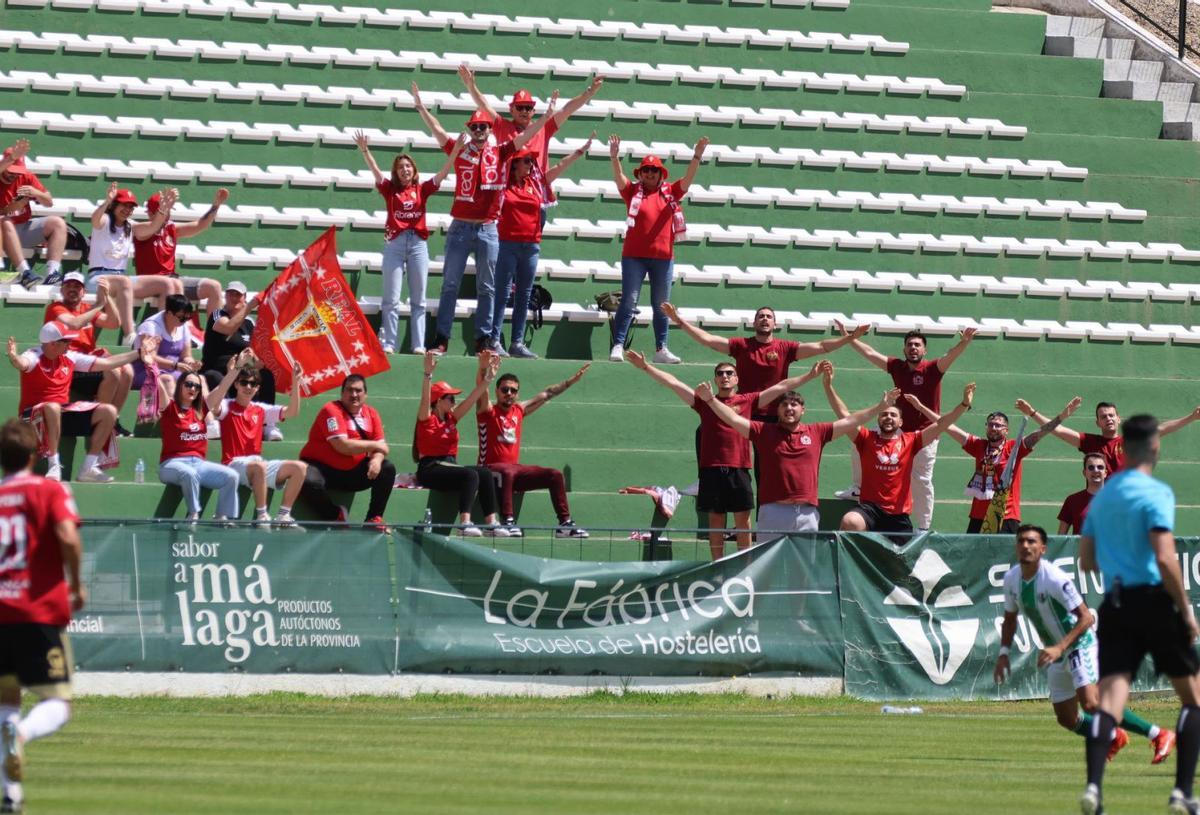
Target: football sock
9	712
24	267
45	718
284	510
1187	748
1104	728
1083	725
90	461
1136	724
53	266
54	460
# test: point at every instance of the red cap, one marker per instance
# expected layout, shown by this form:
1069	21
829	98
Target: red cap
54	331
480	117
439	389
152	203
525	152
653	162
19	164
124	196
521	97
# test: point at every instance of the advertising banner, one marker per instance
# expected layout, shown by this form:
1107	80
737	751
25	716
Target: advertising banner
465	608
172	598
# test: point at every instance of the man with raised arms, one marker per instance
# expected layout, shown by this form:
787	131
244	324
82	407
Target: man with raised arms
790	456
922	377
723	455
1048	598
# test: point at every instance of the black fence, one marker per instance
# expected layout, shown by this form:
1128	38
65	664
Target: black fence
1161	22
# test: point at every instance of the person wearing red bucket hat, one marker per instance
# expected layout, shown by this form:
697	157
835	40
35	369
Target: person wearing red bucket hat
111	247
478	180
521	108
20	229
654	221
155	256
406	239
520	227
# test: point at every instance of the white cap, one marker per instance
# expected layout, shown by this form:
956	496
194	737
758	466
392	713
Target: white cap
76	276
237	286
54	331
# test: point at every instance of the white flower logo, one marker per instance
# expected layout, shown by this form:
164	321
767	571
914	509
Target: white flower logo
940	646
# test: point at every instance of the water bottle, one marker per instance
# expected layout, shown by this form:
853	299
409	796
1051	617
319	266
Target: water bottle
427	521
139	472
902	711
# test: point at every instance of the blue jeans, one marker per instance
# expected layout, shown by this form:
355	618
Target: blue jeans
191	473
516	260
633	273
409	253
462	240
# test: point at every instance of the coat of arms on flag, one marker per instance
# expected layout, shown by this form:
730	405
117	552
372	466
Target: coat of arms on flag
308	316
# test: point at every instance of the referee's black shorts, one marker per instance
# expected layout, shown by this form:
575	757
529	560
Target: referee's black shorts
1140	620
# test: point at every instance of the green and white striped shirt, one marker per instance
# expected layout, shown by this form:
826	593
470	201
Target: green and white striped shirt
1048	600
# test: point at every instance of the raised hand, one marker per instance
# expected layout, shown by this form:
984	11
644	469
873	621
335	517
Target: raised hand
466	75
112	192
912	400
968	334
220	198
361	140
636	359
614	146
493	367
416	95
968	394
859	332
575	377
431	361
12	347
1025	408
841	329
826	368
20	149
890	397
671	312
701	146
703	392
1072	406
597	81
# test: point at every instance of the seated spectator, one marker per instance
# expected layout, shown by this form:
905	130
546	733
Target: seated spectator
435	448
242	421
155	255
346	451
185	448
227	335
174	355
110	387
111	247
46	398
20	230
500	426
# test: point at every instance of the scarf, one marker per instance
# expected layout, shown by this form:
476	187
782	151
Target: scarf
478	169
149	399
982	485
678	224
109	457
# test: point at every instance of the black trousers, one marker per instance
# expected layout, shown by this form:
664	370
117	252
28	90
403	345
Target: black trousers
443	473
321	478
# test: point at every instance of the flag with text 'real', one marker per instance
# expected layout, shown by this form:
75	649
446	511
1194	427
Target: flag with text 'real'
309	317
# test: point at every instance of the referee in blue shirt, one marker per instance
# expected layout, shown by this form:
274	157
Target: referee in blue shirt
1128	535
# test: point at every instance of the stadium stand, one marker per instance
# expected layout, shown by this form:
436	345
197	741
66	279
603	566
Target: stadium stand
912	163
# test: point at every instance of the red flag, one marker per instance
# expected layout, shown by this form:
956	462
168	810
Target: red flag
309	316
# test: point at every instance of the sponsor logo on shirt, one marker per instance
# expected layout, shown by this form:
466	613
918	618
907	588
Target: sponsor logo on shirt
886	458
805	439
772	356
331	424
918	379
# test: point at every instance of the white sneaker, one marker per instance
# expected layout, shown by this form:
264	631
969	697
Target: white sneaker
470	531
664	356
692	489
848	494
617	354
94	475
496	531
192	517
272	433
388	349
262	519
419	351
284	520
55	472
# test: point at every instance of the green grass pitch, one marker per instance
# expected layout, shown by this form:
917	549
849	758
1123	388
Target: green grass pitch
599	754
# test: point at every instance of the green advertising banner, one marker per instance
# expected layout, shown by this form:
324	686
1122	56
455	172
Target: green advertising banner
923	620
169	597
465	608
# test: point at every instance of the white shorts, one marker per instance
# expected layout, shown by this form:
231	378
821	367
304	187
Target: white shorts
32	232
239	466
1077	669
777	520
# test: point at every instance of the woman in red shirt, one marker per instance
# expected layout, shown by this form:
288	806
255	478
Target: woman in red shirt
184	447
435	447
654	221
521	206
406	237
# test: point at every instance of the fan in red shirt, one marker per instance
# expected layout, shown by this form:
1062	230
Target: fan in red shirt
435	448
723	456
887	457
478	180
406	238
46	374
762	360
40	541
522	212
182	462
155	255
500	426
242	420
991	454
1074	508
913	374
19	230
654	222
110	386
789	454
1108	442
346	451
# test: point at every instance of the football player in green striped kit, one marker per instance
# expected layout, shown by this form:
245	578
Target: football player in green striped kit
1052	604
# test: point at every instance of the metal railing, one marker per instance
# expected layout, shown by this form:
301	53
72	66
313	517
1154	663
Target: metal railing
1179	36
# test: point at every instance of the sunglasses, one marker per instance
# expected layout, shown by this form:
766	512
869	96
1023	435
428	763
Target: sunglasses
509	390
648	170
449	396
478	128
523	108
726	373
192	385
1095	468
249	383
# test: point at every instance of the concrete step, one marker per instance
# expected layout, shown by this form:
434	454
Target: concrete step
1103	48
